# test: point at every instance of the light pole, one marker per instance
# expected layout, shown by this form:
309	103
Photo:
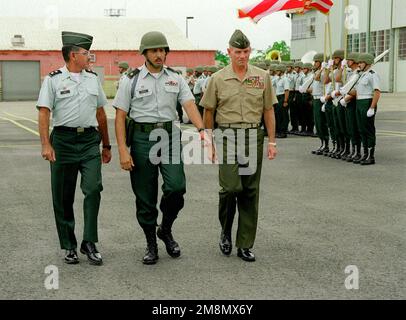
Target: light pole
187	19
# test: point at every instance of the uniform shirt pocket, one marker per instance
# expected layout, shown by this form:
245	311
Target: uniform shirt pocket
255	96
172	88
92	95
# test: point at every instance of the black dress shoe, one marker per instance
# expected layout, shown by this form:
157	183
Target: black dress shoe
225	244
172	247
71	257
93	256
246	255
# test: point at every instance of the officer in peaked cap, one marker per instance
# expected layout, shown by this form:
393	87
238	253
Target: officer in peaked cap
75	98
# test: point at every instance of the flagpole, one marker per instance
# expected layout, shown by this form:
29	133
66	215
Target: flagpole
325	55
346	5
330	47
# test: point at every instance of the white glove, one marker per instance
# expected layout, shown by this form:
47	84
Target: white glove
343	64
324	65
301	89
323	100
333	94
371	112
343	102
323	108
330	63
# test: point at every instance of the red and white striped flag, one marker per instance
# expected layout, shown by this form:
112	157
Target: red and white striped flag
323	6
257	11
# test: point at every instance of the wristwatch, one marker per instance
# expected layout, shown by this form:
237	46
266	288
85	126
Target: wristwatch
107	146
200	129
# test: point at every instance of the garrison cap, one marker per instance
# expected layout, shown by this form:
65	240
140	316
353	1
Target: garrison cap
76	39
239	40
123	64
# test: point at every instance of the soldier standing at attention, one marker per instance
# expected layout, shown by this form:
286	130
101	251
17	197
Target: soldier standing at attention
320	121
307	104
241	94
74	96
150	94
281	112
368	93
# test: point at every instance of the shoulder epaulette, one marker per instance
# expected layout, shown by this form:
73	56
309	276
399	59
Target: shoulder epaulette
90	71
133	73
371	71
170	69
54	73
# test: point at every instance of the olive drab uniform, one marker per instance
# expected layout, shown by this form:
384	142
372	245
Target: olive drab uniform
281	112
308	119
239	105
73	102
365	87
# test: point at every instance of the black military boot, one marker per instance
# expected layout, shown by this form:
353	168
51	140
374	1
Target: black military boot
226	245
352	154
319	149
332	150
347	151
164	233
151	252
340	150
357	157
336	149
364	156
326	148
370	159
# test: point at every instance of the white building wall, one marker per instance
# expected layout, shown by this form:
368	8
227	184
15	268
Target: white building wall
380	20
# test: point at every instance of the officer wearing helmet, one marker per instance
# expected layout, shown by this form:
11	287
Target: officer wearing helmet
149	95
368	93
123	69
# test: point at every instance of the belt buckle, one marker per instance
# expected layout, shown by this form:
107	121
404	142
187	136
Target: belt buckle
80	130
160	125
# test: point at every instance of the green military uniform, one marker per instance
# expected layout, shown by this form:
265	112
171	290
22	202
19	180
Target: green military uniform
307	103
281	112
239	105
365	87
319	116
351	119
73	102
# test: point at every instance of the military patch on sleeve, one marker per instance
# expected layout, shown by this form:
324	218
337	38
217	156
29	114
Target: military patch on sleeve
133	73
256	82
90	71
54	73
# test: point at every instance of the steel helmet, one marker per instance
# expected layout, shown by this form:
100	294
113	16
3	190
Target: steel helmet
153	40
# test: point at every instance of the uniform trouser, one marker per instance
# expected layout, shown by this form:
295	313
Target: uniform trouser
308	118
320	120
366	126
331	121
282	115
144	176
294	105
341	123
300	110
351	122
241	189
291	102
76	152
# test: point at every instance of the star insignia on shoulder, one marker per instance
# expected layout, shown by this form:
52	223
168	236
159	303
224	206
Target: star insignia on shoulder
54	73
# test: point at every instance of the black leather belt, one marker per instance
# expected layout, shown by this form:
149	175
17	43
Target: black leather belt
72	129
240	125
148	127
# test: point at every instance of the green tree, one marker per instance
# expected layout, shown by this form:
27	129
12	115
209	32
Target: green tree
222	58
282	47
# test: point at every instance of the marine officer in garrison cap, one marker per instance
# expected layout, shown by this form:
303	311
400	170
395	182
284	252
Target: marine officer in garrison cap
73	95
239	95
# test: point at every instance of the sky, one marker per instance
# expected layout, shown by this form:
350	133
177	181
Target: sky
214	20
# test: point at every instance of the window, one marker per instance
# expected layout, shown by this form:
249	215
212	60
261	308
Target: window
380	42
363	42
303	29
402	44
349	43
356	42
373	42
